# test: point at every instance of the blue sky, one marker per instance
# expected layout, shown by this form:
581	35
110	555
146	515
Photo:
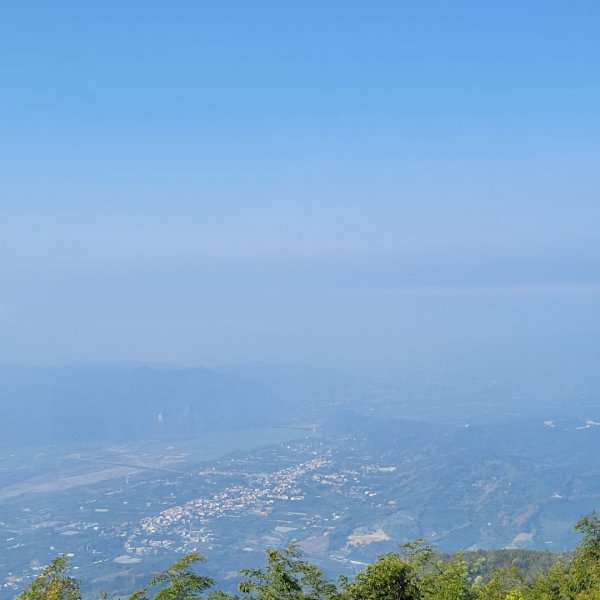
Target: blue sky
343	183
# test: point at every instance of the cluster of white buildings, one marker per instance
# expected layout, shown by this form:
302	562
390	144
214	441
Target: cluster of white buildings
187	521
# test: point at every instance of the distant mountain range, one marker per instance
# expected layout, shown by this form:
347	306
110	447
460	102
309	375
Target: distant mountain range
45	405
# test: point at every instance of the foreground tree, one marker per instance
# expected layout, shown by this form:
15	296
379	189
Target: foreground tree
286	577
504	582
53	583
178	582
389	578
448	581
585	570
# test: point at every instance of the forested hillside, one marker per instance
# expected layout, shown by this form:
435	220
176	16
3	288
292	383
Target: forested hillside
124	402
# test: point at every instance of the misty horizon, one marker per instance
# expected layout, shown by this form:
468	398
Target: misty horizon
367	189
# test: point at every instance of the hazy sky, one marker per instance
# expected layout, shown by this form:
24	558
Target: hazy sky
338	183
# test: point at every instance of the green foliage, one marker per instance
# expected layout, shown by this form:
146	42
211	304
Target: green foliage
178	582
413	573
53	583
552	584
531	563
138	595
504	581
389	578
286	576
448	581
584	580
517	594
418	554
589	526
576	577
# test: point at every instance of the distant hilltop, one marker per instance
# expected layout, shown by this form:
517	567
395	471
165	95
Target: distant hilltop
47	405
